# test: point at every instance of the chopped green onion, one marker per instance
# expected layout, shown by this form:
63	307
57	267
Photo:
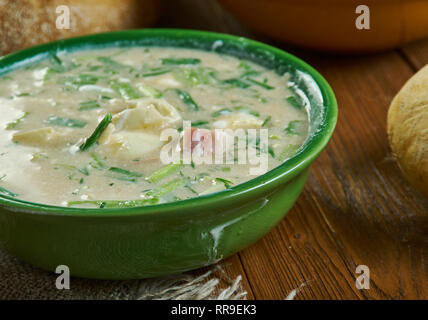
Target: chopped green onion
201	176
125	172
39	155
22	94
226	183
6	78
188	184
125	90
236	83
271	151
6	192
97	133
110	71
65	122
123	178
114	64
191	77
85	58
295	101
178	61
248	70
94	68
260	84
58	66
187	99
166	188
155	72
296	127
64	166
164	171
200	123
189	187
14	124
117	203
221	112
98	163
79	80
124	175
56	63
84	171
266	121
89	105
149	91
247	110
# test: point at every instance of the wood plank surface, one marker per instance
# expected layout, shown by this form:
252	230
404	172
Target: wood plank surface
356	208
416	54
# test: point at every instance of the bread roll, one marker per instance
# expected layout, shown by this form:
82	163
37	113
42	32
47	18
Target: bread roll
24	23
408	129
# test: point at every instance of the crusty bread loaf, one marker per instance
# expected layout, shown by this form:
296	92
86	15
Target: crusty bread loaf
408	129
25	23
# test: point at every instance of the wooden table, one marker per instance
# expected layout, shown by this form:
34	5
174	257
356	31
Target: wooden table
356	208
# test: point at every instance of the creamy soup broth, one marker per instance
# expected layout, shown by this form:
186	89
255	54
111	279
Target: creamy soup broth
51	108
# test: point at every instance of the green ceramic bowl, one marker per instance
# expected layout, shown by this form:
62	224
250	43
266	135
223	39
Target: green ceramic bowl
151	241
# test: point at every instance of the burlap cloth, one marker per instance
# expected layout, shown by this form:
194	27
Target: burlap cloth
19	280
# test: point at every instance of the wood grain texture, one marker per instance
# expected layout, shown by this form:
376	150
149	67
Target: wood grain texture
356	208
416	53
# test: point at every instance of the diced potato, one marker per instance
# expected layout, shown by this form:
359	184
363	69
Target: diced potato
149	113
238	120
117	105
105	136
46	136
167	81
128	145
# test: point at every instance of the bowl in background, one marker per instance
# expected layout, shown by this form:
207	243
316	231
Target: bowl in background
329	25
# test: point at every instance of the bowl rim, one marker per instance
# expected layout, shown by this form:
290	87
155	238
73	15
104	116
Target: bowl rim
280	174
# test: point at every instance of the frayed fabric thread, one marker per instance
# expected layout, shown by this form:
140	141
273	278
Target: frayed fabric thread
187	287
19	280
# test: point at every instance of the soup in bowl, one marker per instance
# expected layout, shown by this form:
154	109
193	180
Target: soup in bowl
142	153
